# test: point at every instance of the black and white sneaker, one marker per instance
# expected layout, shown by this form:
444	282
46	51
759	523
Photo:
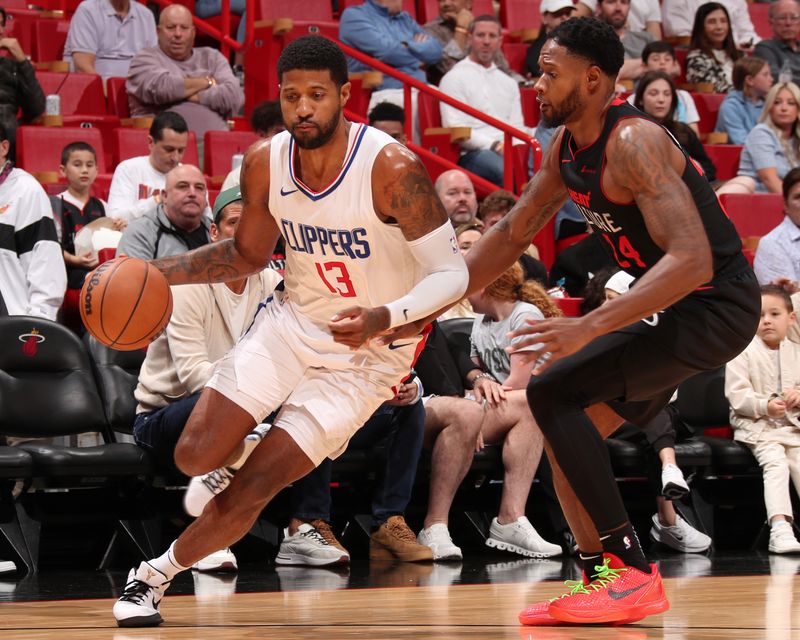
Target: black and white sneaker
138	605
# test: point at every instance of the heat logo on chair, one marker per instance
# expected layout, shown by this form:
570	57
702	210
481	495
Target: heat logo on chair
31	342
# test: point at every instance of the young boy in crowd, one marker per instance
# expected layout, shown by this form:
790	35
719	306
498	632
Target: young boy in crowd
762	385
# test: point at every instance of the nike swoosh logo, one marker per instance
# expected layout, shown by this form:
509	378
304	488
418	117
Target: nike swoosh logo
405	313
618	595
399	346
286	193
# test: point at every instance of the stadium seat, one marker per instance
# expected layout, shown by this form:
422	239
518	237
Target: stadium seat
515	55
16	465
81	93
50	36
725	158
759	14
753	214
117	98
707	108
19	25
570	307
530	106
520	14
132	142
39	148
220	146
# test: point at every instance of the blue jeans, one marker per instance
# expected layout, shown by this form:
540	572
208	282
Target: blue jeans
485	163
210	8
403	427
158	431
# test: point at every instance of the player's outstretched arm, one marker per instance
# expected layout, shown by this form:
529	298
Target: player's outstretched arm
647	166
403	193
250	250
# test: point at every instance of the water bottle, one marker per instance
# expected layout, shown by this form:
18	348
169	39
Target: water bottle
52	105
785	74
236	160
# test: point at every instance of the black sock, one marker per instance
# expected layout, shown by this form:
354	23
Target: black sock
624	544
588	560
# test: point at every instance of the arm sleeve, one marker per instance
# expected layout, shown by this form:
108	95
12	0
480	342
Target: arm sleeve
739	391
186	335
123	197
136	241
444	282
153	83
358	31
227	98
40	254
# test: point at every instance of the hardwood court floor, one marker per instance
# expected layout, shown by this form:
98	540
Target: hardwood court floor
747	607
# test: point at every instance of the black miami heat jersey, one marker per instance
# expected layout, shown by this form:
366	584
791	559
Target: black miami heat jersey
621	225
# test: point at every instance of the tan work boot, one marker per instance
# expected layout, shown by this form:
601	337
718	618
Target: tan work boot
326	532
394	539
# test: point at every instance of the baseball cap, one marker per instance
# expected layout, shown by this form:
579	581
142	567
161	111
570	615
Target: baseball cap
620	282
553	6
232	194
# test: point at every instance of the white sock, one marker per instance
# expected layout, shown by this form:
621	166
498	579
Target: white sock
249	445
167	564
779	523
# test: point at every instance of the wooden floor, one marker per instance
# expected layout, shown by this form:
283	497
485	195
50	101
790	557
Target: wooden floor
733	608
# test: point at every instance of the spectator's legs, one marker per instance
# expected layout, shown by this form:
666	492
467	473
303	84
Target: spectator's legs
158	432
774	463
312	495
485	163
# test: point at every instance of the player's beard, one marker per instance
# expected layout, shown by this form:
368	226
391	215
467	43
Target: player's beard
560	115
326	131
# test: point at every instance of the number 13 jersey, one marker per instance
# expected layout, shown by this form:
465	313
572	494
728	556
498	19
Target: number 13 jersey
621	224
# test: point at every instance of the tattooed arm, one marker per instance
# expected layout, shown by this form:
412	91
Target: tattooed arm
250	250
645	166
402	193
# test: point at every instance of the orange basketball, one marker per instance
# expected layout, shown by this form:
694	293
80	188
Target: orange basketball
125	303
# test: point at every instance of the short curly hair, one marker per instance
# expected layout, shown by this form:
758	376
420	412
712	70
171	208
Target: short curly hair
314	53
593	40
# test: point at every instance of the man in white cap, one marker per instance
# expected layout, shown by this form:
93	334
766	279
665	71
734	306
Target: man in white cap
554	12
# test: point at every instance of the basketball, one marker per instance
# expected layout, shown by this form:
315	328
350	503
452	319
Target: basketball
125	303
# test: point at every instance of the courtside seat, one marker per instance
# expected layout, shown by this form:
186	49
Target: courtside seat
15	463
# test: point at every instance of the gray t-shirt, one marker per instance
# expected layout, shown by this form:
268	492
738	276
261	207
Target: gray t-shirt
489	338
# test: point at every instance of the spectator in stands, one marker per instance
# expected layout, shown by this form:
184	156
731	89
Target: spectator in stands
739	111
309	539
660	56
615	13
197	82
576	265
778	252
498	383
554	12
451	29
266	121
105	35
679	20
206	321
478	82
771	148
457	194
782	51
381	29
32	274
390	119
19	88
762	385
712	50
177	224
645	15
657	96
138	183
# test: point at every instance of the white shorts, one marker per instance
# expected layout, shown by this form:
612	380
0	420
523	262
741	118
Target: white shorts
322	406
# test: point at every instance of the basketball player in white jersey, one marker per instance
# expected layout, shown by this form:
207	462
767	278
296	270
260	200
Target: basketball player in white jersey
368	248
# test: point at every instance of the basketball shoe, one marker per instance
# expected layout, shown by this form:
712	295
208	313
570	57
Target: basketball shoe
222	561
616	594
538	614
138	604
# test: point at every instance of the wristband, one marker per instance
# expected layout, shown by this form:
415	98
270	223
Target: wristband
483	374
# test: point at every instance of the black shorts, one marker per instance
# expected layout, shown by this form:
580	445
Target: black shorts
636	369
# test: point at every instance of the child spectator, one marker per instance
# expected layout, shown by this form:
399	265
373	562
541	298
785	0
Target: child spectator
739	111
762	385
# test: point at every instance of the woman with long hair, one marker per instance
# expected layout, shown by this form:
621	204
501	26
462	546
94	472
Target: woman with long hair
771	148
657	96
712	51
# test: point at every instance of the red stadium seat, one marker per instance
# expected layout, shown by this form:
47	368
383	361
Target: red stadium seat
81	93
571	307
530	106
220	146
520	14
707	108
50	36
753	214
129	143
117	98
39	148
759	14
515	54
725	158
308	10
19	23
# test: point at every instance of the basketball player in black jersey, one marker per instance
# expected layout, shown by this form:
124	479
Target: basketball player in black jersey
694	307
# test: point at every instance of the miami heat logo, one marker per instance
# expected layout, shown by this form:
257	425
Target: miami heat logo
30	346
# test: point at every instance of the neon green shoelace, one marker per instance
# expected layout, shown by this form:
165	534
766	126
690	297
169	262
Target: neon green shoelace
604	575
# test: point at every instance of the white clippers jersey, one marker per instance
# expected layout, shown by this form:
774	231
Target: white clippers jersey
339	254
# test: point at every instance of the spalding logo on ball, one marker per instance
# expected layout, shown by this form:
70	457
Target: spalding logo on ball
126	303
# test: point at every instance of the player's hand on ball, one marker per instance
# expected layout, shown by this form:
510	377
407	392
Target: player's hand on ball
356	325
556	338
